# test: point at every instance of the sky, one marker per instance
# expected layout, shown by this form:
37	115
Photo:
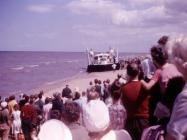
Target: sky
74	25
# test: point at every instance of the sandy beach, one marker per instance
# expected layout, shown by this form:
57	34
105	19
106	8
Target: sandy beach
80	81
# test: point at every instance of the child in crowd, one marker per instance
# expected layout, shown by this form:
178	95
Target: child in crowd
16	123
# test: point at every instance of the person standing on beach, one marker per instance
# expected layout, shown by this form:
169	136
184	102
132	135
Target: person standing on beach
71	117
66	92
117	112
135	99
176	128
16	124
164	72
12	102
28	118
4	121
95	115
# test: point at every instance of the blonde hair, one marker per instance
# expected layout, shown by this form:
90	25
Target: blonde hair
177	50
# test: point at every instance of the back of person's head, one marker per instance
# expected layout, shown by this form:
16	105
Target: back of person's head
174	87
96	81
57	95
108	81
177	51
115	85
163	40
77	95
40	95
12	97
55	114
47	100
99	82
92	94
116	94
159	54
27	99
54	130
91	83
133	69
71	112
83	93
31	101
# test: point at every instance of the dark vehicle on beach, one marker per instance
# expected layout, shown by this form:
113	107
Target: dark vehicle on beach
98	62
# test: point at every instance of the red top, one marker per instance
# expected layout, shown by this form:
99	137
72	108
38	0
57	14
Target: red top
28	112
135	99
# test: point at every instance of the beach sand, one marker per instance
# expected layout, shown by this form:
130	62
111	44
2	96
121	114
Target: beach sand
80	81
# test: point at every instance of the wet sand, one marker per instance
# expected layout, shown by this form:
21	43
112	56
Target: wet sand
80	81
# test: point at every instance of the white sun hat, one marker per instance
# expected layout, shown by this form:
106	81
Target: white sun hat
54	130
4	104
96	116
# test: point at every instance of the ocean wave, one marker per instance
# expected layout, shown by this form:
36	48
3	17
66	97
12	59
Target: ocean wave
72	61
18	68
32	66
54	82
49	62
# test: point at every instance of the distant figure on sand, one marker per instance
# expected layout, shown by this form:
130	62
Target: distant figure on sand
66	92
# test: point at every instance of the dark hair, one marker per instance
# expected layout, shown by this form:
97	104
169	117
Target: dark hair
55	114
163	40
159	54
133	69
92	94
47	100
40	94
115	86
95	81
77	95
27	98
12	97
71	112
116	95
174	87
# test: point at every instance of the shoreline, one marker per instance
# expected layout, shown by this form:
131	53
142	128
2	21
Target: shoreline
80	81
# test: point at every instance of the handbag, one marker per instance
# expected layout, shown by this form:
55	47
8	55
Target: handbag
3	126
156	132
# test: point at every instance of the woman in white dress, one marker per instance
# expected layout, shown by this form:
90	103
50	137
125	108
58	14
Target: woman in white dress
16	125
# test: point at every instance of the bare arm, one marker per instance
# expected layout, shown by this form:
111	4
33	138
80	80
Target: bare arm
148	85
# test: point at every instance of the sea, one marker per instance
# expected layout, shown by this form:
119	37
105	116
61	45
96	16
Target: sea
23	71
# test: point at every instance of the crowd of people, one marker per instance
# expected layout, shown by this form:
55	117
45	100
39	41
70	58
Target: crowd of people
147	102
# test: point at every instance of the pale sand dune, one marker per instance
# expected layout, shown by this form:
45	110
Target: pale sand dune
81	81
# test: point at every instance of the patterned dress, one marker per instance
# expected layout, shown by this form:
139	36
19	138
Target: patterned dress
16	126
118	116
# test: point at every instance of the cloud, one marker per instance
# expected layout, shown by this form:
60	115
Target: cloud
42	8
132	13
176	6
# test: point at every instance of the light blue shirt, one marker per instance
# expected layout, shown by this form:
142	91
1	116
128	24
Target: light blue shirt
177	126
